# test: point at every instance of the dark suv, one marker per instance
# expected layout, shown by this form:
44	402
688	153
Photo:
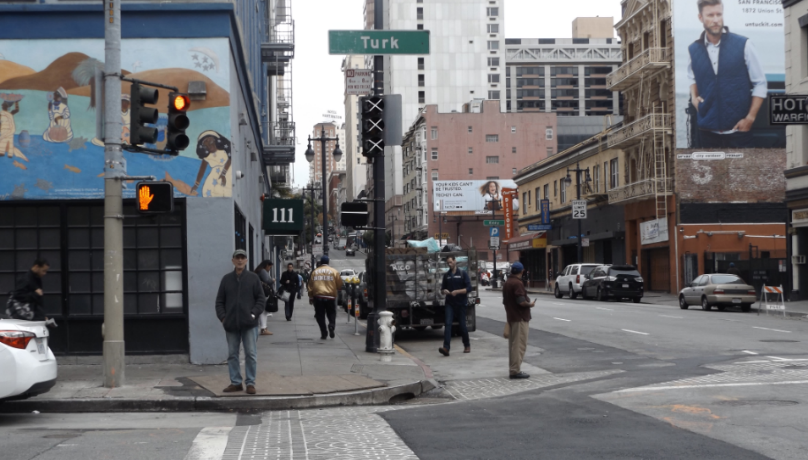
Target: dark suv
616	281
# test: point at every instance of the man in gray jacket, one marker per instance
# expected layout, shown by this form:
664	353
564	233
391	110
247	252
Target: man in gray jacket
239	303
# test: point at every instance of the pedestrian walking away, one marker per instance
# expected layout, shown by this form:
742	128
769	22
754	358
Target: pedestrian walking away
25	302
300	285
324	286
517	310
239	303
456	286
290	282
263	271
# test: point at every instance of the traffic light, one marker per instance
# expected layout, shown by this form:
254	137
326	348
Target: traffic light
178	122
354	214
140	115
154	197
372	126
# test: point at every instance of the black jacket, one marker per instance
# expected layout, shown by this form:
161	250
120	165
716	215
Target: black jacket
238	298
25	292
294	281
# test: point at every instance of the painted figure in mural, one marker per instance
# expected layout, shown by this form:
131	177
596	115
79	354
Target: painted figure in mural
7	129
214	150
491	195
125	118
59	114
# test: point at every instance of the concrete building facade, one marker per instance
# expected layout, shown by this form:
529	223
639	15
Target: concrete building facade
355	163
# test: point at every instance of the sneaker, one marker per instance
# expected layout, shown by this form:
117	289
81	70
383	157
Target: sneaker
520	375
265	332
233	388
443	351
250	389
467	350
323	337
331	331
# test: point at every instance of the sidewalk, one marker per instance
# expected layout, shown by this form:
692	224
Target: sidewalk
296	369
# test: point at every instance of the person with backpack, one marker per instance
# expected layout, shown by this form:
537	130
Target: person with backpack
264	272
26	301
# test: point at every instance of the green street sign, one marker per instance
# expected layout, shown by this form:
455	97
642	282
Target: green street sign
378	42
494	223
283	217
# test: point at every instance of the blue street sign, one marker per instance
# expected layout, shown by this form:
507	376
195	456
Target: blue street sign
545	211
494	231
538	227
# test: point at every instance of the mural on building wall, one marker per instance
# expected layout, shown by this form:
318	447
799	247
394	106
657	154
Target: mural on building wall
48	143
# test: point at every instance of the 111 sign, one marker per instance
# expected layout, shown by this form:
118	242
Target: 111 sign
283	213
279	217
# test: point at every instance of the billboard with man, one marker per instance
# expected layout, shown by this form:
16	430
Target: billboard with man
730	56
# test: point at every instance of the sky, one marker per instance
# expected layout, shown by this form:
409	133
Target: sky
318	82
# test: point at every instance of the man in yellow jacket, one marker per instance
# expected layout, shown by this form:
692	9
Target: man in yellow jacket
324	286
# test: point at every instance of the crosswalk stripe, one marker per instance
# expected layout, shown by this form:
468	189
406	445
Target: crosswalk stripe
209	444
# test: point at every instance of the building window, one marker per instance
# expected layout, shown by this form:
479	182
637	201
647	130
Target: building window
492	178
434	174
471	171
513	149
471	150
493	62
420	13
434	154
555	188
419	27
493	78
492	160
492	137
605	176
563	191
492	12
596	181
549	151
422	97
434	133
538	196
548	133
513	129
546	191
615	174
421	80
493	28
493	95
420	63
471	129
493	45
524	203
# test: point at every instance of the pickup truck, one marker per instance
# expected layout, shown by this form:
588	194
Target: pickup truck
570	280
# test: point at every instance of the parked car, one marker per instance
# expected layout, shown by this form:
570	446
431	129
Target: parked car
350	252
570	280
613	281
342	299
720	290
27	363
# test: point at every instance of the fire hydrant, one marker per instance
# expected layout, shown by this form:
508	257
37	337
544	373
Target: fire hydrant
386	331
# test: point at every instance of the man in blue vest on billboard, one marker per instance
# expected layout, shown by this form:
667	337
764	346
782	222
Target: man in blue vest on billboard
727	82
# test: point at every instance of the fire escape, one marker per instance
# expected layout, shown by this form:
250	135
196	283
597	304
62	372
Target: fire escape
277	53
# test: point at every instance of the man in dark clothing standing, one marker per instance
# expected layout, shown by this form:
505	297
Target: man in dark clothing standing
517	310
239	303
290	282
733	270
26	300
456	286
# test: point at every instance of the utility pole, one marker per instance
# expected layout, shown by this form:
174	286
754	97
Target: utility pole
114	172
493	217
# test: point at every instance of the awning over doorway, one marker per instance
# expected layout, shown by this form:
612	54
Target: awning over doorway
535	240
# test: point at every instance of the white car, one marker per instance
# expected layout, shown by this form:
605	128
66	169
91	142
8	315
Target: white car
569	282
27	364
346	274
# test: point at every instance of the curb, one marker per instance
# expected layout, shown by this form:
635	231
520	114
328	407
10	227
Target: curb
374	397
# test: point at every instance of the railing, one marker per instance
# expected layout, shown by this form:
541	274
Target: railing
655	57
641	189
638	128
282	133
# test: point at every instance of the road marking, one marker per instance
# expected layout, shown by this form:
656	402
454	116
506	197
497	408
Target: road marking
748	352
556	303
674	317
711	385
209	444
767	329
635	332
562	319
601	308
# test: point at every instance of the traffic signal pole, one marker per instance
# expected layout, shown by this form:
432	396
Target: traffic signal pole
114	172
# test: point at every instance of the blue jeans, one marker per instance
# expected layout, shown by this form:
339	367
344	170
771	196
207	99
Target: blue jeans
453	312
248	337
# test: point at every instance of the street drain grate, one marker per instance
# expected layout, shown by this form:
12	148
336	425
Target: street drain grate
780	341
758	402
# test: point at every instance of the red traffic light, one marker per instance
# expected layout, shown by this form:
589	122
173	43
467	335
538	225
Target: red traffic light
180	102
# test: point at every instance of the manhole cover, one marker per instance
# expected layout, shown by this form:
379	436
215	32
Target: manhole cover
780	341
758	402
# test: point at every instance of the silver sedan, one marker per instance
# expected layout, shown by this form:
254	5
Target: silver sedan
720	290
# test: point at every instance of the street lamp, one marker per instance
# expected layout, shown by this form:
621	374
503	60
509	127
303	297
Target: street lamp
311	189
310	157
568	181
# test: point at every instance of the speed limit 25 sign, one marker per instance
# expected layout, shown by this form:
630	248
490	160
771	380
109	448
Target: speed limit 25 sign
579	209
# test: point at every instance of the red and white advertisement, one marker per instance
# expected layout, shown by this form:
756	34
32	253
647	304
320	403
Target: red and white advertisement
508	197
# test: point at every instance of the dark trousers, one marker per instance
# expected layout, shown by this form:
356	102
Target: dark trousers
290	305
458	313
323	308
711	140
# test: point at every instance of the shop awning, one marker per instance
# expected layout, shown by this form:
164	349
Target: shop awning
535	240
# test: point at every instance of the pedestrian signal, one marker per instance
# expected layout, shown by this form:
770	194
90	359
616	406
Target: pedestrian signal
154	197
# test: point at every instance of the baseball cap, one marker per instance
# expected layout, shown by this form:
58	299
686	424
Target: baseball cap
517	267
239	252
324	259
